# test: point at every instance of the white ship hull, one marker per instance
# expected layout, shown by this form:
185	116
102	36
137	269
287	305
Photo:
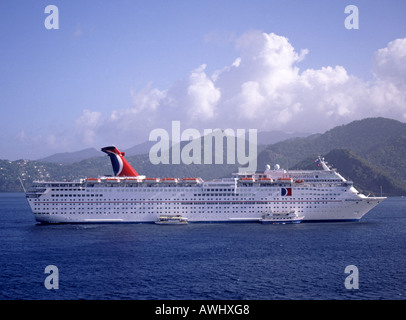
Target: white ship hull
75	203
314	195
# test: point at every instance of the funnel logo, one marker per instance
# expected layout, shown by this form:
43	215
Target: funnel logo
286	192
120	165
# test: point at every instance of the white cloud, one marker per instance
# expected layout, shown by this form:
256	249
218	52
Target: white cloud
312	100
250	100
263	88
268	90
390	62
87	125
146	98
203	95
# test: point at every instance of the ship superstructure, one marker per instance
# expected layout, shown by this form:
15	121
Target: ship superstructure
315	195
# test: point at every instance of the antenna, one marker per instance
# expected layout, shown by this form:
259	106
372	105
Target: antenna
22	184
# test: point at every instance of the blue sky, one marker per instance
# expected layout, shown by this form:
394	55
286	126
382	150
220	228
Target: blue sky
115	70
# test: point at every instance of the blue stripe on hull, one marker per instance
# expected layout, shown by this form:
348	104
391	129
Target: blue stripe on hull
280	222
330	220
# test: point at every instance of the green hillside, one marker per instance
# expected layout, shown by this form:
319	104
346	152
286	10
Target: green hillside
374	155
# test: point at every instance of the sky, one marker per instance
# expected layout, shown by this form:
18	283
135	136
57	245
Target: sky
114	71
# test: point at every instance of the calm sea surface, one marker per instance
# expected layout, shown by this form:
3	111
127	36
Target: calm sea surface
203	261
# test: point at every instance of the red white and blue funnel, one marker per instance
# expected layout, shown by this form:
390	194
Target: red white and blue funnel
120	165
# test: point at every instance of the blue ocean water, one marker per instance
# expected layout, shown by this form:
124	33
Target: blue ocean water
203	261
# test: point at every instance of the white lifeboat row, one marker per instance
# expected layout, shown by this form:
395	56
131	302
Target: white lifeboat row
264	179
143	179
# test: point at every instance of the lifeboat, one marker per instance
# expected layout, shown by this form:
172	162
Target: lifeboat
190	180
151	180
285	180
247	179
93	179
112	179
170	180
265	180
133	179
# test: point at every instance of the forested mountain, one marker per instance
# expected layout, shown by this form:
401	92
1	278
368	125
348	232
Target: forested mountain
71	157
371	152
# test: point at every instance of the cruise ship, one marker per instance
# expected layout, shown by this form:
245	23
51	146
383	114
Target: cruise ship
127	197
